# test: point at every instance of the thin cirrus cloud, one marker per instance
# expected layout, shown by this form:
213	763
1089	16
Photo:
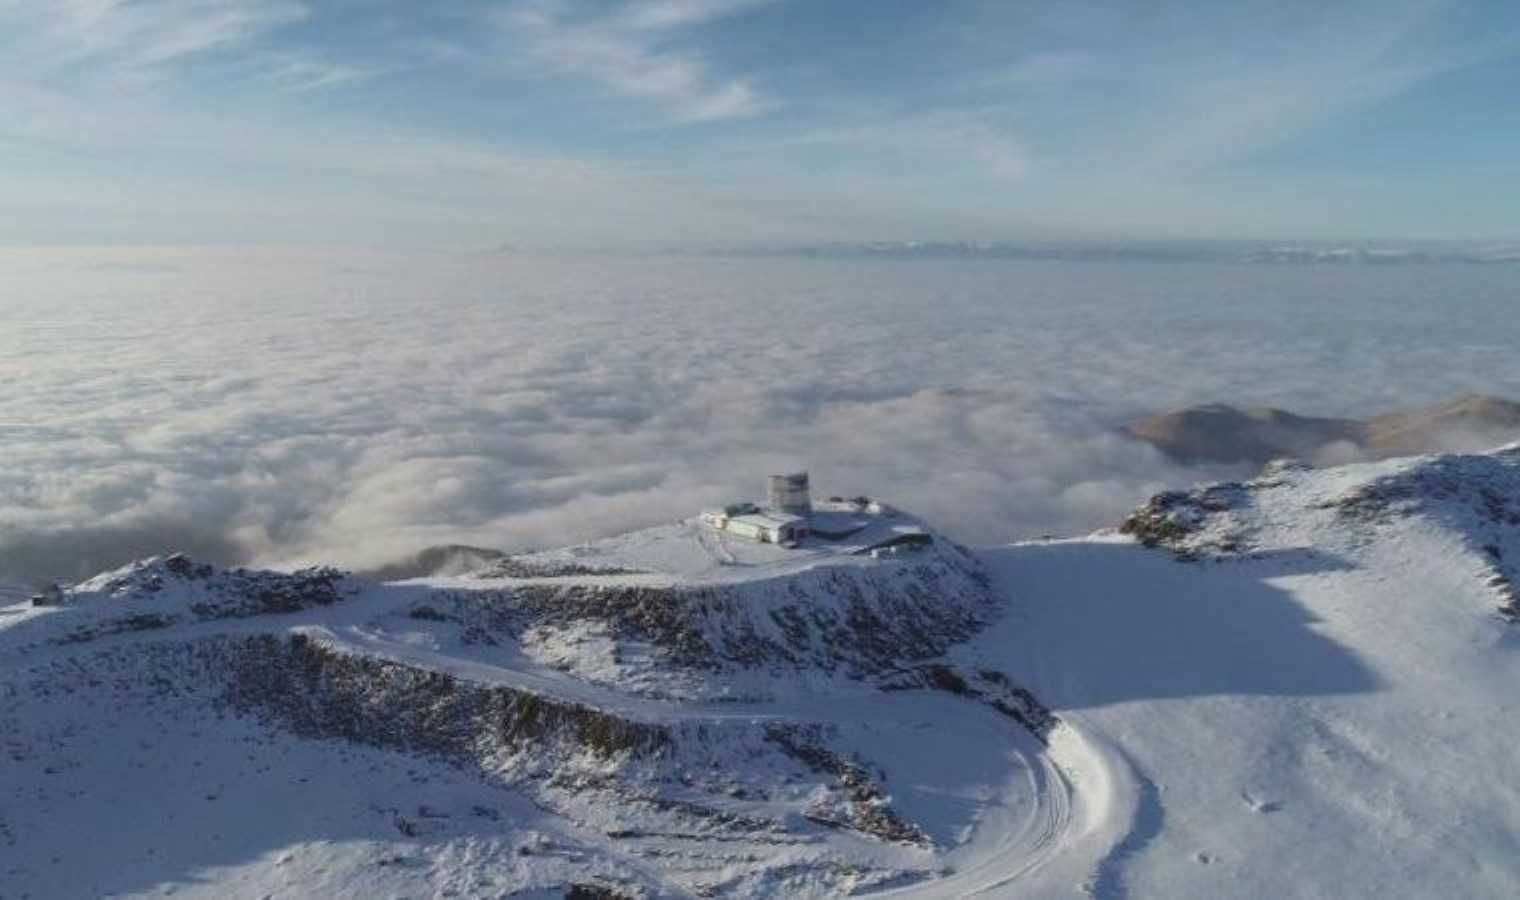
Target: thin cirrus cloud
850	120
1255	92
295	73
127	38
631	50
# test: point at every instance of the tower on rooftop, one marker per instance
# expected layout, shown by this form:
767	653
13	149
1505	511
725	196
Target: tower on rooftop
790	494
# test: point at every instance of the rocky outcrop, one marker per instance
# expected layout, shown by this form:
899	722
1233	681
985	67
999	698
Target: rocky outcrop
655	779
211	593
1175	520
1481	489
989	686
1222	433
853	620
315	690
1474	497
854	800
1467	422
651	711
530	567
1503	578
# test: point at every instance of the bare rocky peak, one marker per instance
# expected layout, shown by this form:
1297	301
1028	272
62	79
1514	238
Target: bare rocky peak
1219	432
1223	433
1457	424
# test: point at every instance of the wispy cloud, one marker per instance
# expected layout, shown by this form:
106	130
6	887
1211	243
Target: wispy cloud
961	119
978	139
1252	90
298	73
632	51
126	39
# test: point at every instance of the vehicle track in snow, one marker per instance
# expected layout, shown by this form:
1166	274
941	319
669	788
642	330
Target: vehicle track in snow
1082	794
1060	819
1092	808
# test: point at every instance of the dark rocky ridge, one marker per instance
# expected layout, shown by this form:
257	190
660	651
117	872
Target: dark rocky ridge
1475	497
316	691
563	753
850	620
218	593
454	673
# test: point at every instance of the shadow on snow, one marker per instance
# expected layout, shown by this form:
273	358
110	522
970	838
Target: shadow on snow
1092	624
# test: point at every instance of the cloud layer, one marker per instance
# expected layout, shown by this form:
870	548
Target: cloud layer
276	407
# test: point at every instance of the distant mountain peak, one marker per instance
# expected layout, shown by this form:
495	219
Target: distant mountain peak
1220	432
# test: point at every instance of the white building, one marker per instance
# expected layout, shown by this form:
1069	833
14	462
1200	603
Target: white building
784	520
768	527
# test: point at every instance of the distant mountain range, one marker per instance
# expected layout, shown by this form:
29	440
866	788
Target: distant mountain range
1188	251
1219	432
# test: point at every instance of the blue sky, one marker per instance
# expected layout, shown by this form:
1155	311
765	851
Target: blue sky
564	123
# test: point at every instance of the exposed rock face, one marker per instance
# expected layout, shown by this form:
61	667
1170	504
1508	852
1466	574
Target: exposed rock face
315	690
1468	422
1223	433
987	685
1475	498
854	621
860	804
729	720
1229	434
1479	490
813	726
1187	522
219	593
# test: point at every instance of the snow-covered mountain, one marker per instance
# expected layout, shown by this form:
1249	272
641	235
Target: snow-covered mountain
1298	685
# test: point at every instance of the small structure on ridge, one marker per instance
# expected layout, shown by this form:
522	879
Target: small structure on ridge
768	526
789	494
783	520
856	525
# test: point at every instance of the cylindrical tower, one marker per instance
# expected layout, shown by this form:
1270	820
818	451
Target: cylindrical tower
789	494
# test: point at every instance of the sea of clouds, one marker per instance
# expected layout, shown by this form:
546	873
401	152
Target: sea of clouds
276	407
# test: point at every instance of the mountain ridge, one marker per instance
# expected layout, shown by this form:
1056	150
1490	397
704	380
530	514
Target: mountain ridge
1220	432
1170	711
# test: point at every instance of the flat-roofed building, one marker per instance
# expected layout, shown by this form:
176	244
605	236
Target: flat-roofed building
784	520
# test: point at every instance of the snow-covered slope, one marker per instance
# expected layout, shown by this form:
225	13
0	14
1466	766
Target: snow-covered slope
1310	678
1300	685
657	714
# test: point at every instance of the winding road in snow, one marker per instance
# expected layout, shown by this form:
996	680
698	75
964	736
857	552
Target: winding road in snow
1089	799
1058	822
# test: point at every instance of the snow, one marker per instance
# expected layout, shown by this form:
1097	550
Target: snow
1329	716
1308	690
692	551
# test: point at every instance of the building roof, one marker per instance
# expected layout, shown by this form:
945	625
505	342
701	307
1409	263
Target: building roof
768	519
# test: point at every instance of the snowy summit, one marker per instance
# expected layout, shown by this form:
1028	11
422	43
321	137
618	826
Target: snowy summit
1306	676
